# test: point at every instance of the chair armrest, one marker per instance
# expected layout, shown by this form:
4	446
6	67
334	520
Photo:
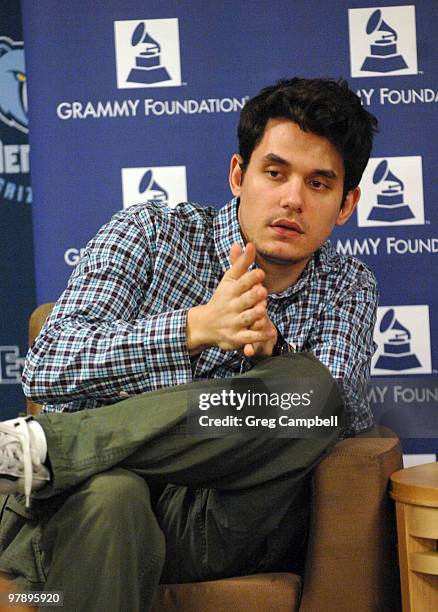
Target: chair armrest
36	322
351	561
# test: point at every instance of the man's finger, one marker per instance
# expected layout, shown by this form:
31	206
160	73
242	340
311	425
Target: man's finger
248	317
253	337
249	350
249	280
259	324
257	293
235	252
242	262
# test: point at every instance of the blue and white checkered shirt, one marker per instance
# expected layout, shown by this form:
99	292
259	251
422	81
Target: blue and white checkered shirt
120	326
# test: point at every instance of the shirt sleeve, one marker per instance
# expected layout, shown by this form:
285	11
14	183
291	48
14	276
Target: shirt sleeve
96	345
342	339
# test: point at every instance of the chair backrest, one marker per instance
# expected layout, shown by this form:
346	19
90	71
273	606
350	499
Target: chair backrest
36	321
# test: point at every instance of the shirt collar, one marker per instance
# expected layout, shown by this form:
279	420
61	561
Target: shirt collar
226	230
324	260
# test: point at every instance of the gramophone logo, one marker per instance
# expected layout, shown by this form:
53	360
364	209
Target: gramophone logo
403	337
383	41
165	185
147	53
392	192
13	84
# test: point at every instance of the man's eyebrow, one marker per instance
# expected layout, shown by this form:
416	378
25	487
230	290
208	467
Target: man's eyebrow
330	174
273	158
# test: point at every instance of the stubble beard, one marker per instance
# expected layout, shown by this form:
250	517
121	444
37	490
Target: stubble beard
278	261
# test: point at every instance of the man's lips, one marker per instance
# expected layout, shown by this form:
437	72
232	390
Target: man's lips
284	227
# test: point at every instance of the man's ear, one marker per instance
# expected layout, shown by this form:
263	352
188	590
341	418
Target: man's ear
236	174
349	205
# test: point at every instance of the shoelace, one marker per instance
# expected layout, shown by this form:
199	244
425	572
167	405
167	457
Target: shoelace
17	434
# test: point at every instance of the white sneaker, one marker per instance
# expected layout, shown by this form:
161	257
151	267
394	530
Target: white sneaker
22	454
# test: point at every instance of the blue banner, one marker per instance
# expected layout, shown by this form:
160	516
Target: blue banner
17	298
132	101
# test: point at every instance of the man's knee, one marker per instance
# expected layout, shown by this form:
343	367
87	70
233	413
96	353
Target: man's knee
110	510
116	486
298	364
301	386
115	497
115	502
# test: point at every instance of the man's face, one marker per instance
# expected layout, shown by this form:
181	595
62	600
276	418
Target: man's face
290	195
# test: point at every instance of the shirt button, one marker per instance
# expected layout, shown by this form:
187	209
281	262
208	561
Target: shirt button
123	394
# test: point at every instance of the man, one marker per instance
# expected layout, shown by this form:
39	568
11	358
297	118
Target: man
182	302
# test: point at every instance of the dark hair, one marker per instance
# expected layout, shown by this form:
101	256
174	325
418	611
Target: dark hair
324	107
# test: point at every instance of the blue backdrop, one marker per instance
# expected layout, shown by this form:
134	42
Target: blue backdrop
132	101
17	298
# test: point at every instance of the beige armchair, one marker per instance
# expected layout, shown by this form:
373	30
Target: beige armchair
351	562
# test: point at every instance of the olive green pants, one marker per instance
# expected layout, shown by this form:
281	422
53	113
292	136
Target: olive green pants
136	497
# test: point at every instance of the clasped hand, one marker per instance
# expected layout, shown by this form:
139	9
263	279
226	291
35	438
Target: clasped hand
236	317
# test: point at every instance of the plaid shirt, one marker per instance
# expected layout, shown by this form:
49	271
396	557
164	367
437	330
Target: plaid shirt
119	327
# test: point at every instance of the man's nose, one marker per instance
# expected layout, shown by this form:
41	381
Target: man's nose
293	194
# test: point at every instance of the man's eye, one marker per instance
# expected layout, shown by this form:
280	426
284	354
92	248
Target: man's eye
273	173
317	184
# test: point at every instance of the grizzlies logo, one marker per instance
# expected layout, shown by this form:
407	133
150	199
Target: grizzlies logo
13	89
